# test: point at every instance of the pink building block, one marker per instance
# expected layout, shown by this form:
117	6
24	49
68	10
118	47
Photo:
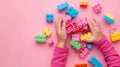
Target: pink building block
50	42
71	28
97	8
76	37
83	52
82	24
67	19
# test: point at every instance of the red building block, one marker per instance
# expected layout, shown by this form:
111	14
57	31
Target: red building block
71	28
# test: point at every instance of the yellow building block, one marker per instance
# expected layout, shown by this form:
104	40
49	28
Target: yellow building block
85	36
115	37
110	15
47	32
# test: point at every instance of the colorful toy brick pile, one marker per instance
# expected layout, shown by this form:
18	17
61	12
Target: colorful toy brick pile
78	29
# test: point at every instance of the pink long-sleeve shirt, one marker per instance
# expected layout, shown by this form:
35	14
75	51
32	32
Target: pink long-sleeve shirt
110	55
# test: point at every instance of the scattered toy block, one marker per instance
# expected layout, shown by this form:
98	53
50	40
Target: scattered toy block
47	31
72	12
85	36
109	18
97	8
81	65
83	4
76	37
82	24
40	38
49	17
62	6
83	52
50	42
75	44
115	37
67	19
89	46
110	15
71	28
95	62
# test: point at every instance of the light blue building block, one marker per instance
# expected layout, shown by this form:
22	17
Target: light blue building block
49	17
63	6
111	21
94	62
72	12
89	46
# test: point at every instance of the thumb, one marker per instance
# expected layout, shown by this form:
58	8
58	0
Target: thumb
89	40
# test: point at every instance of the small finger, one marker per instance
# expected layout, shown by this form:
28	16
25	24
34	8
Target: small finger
64	26
58	23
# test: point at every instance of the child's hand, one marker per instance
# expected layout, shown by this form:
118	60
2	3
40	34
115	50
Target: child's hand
61	32
96	31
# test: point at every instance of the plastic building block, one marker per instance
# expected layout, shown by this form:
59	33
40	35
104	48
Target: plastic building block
115	37
82	24
95	62
40	38
83	4
47	31
110	15
85	36
76	37
63	6
67	19
89	46
71	28
72	12
50	42
75	44
49	17
83	52
81	65
97	8
109	18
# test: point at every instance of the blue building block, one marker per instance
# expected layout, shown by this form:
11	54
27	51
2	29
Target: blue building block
49	17
63	6
111	21
94	62
89	46
72	12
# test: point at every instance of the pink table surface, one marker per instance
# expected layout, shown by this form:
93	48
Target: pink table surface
20	20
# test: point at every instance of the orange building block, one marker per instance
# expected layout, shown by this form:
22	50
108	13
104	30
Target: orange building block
83	4
81	65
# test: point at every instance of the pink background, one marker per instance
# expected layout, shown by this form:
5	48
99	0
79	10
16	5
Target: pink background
20	20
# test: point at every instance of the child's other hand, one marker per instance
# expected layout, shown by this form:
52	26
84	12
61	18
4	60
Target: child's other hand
96	31
61	32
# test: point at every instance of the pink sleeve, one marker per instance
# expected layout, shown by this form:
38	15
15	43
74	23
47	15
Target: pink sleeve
59	57
111	57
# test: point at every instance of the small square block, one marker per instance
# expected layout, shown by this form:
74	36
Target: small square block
89	46
47	32
40	38
49	17
97	8
50	42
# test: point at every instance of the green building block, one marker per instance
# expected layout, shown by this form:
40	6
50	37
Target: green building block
75	44
40	38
